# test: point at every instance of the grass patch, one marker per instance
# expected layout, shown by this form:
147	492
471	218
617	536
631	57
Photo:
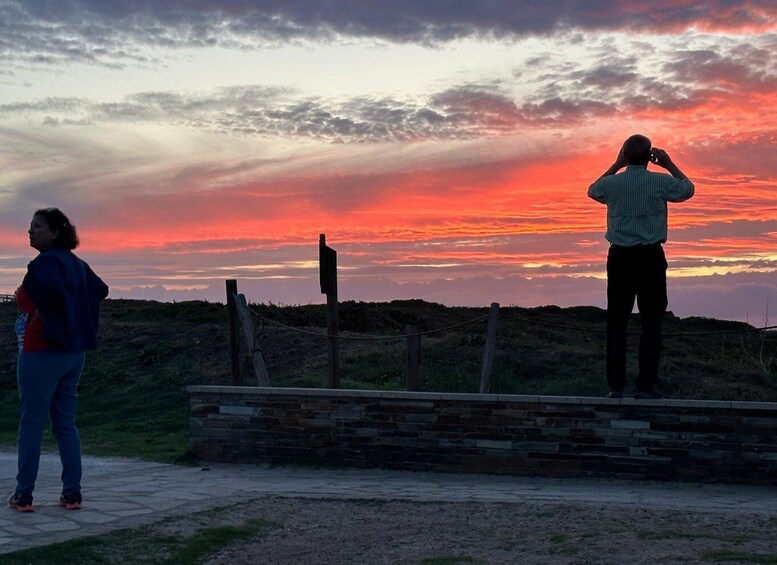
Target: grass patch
564	545
511	544
451	560
679	534
668	534
144	545
729	556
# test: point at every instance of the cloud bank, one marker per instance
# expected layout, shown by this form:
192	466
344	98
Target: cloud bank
461	182
113	33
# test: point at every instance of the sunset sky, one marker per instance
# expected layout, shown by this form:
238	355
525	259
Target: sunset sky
443	146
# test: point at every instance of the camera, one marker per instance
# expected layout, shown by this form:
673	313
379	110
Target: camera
653	158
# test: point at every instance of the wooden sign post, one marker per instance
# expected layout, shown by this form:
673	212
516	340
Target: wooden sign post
253	355
242	340
413	359
327	259
234	330
488	353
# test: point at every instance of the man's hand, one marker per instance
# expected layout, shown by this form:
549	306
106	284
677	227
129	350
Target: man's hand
662	159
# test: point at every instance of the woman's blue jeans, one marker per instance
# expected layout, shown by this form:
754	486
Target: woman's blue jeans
48	387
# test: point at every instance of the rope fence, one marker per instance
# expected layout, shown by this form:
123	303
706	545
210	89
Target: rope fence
666	334
412	336
369	337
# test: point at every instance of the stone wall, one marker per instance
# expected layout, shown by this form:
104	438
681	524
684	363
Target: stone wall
526	435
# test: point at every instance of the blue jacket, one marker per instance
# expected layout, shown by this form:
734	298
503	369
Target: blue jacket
67	293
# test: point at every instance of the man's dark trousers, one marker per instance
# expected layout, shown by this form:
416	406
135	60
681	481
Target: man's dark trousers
635	272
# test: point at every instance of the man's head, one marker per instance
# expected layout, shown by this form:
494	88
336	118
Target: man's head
636	150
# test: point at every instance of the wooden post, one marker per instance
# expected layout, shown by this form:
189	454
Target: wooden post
249	340
327	259
413	359
234	343
488	354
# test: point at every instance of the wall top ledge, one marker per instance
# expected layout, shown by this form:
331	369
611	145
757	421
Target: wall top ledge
512	398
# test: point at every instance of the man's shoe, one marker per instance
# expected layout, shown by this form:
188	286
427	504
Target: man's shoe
21	503
70	501
648	394
615	394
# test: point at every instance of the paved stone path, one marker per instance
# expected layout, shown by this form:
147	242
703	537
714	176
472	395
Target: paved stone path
123	493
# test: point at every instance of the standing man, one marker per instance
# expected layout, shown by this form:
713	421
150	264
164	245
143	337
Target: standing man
636	266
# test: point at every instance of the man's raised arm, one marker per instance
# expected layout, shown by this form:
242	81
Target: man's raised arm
619	163
597	193
663	160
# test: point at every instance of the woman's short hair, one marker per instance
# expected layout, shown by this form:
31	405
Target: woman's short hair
636	149
57	221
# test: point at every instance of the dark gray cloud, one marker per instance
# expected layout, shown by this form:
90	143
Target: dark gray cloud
566	111
464	112
635	82
747	153
755	231
605	77
748	297
109	32
743	65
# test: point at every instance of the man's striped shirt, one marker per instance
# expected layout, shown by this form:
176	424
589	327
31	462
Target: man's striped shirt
636	204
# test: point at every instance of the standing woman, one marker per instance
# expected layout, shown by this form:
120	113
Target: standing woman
59	303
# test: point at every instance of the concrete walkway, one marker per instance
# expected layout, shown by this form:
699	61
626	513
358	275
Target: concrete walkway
124	493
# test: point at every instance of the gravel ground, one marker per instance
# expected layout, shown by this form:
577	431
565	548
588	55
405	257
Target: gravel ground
332	532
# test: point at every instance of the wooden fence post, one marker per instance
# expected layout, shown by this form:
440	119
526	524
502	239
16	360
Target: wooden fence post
249	340
488	353
413	359
327	259
234	343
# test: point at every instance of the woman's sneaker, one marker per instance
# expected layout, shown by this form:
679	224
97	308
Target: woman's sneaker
21	503
70	501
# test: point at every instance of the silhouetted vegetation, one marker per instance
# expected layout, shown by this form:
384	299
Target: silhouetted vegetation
133	400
